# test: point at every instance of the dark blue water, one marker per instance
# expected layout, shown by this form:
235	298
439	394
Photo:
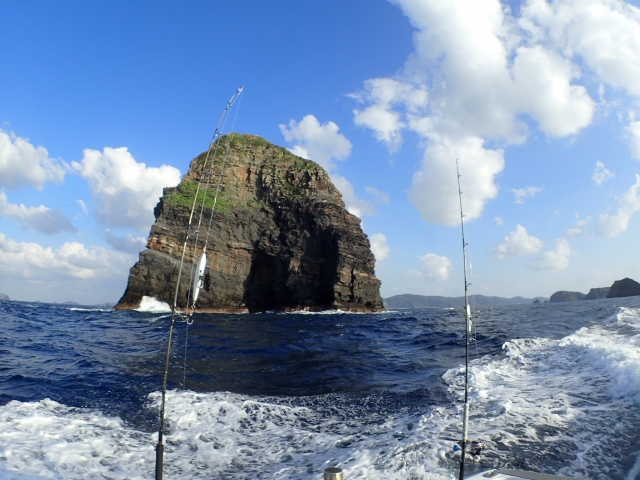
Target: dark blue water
285	395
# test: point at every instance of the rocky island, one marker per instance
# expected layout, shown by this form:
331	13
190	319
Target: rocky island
281	239
620	288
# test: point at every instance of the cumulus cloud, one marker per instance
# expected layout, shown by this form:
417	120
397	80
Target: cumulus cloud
605	34
127	244
23	164
321	143
499	221
433	267
124	191
434	188
628	204
71	261
381	95
601	174
379	246
556	259
354	205
483	71
41	219
518	242
524	193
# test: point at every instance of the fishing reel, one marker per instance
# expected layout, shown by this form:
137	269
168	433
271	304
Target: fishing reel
474	449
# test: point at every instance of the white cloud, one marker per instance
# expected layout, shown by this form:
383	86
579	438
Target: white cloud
554	259
543	82
124	191
499	221
381	95
481	70
127	244
518	242
628	204
382	197
601	174
41	219
23	164
605	34
83	207
22	261
526	192
633	134
379	246
434	189
433	267
72	271
578	228
320	143
353	204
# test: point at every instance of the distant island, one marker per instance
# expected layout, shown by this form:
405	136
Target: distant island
4	297
424	301
620	288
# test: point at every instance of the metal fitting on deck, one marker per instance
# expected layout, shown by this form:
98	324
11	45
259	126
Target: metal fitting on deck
332	473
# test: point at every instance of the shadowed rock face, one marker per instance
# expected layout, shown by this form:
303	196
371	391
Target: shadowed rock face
563	296
624	288
281	239
596	293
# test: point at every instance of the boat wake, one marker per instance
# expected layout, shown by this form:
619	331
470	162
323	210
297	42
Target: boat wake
566	405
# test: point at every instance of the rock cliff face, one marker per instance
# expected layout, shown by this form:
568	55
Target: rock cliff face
624	288
563	296
596	293
281	239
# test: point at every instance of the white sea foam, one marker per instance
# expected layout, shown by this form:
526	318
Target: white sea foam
153	305
570	399
322	312
216	434
50	440
575	396
78	309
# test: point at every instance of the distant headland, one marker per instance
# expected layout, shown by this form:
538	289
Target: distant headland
620	288
4	297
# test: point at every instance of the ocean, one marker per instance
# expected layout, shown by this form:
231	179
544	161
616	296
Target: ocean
554	388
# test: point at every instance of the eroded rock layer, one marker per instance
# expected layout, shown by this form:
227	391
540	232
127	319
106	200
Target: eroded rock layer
281	239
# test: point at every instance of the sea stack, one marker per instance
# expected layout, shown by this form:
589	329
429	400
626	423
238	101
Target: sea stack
281	239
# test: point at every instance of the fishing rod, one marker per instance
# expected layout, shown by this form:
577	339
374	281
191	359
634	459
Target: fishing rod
197	279
467	314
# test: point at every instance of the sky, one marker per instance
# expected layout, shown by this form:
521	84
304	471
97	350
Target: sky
103	104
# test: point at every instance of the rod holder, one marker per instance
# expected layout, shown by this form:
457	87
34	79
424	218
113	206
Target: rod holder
333	473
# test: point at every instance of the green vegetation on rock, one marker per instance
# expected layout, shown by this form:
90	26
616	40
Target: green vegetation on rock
185	192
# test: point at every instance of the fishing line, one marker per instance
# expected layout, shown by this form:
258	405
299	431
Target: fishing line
194	284
474	333
184	369
221	175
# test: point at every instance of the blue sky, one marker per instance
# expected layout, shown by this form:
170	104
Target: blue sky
103	104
